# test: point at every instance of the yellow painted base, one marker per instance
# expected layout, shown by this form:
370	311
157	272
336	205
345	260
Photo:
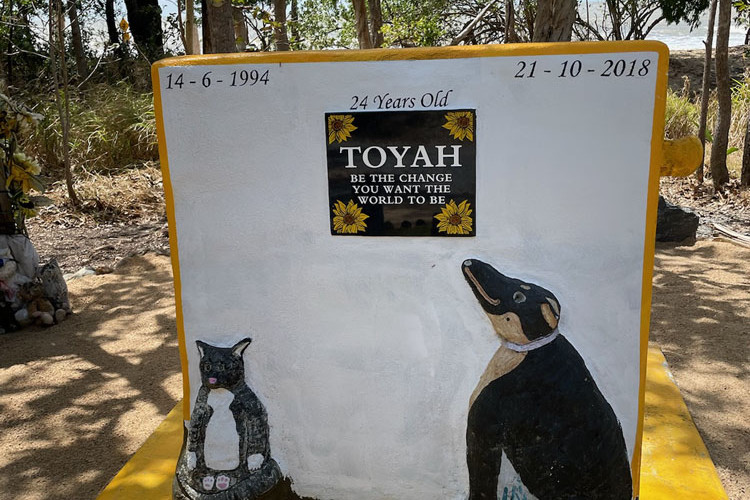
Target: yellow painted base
148	474
675	462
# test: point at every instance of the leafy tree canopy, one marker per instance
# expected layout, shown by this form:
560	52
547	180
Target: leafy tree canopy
687	11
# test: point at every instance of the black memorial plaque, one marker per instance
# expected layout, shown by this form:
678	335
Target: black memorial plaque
402	173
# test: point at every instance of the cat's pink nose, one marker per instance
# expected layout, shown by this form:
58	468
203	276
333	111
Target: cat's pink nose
211	380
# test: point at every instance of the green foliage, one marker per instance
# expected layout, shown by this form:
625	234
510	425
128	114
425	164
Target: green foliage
688	11
682	116
326	24
410	23
111	128
17	38
740	112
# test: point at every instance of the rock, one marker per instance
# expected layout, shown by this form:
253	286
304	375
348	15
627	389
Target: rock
675	224
84	271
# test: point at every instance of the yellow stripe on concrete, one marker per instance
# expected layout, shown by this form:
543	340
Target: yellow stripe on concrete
675	463
148	474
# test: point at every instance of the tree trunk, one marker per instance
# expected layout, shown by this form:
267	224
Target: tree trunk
206	34
191	29
9	58
241	35
181	26
745	175
705	92
109	14
529	14
554	20
280	37
294	22
719	172
145	25
376	23
57	47
510	22
614	14
360	21
75	33
217	20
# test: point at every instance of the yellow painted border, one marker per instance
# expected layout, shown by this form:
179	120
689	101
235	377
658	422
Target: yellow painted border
676	463
657	142
428	53
149	472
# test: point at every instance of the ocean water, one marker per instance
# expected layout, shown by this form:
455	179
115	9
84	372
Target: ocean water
677	36
680	37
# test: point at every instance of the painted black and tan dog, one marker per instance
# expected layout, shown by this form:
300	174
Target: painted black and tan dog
537	403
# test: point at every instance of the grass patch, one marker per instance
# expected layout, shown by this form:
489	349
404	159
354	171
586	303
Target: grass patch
111	128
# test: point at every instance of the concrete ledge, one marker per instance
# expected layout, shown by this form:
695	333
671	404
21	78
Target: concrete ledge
675	462
148	474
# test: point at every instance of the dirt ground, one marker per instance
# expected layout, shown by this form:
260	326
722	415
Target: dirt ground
690	63
701	320
78	399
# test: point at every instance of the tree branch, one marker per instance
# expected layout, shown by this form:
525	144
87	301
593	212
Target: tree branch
469	27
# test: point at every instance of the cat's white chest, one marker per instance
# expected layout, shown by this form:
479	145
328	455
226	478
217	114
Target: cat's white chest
222	444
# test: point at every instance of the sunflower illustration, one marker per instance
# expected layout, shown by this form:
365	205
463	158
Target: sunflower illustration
460	124
340	127
454	219
348	219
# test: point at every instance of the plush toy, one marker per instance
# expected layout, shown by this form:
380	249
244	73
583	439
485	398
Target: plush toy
38	308
55	289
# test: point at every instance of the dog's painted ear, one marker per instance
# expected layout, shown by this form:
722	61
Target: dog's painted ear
240	346
551	312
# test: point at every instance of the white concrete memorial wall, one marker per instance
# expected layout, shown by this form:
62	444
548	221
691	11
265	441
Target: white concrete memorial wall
367	353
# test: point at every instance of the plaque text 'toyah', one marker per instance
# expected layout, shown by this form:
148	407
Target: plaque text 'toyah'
402	173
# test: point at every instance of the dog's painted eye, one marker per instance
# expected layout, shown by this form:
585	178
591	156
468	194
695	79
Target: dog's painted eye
518	297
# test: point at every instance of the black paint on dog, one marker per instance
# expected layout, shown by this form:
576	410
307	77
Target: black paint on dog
537	403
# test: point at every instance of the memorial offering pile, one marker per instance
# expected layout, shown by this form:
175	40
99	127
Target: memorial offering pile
28	293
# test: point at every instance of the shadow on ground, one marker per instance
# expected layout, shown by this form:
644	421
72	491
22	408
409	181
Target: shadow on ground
78	399
701	319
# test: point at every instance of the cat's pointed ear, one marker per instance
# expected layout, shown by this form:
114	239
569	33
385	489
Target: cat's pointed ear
201	346
240	346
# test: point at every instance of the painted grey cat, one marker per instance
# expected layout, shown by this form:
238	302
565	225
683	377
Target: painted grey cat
226	453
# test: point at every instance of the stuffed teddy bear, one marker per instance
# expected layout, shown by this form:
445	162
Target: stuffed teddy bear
38	308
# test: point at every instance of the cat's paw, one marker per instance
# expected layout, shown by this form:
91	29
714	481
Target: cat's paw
254	461
208	483
222	482
192	460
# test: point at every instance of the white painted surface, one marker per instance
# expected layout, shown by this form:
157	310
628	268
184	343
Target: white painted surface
222	444
366	350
